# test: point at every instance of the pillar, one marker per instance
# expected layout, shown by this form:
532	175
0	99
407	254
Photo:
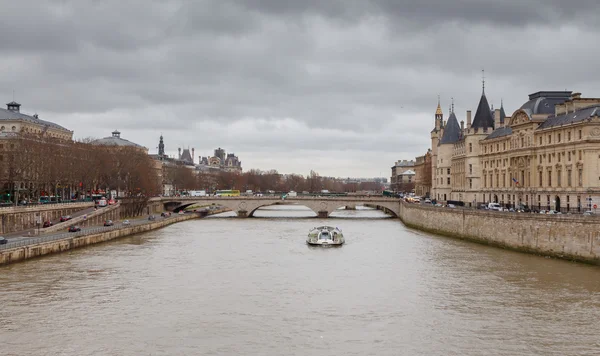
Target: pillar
242	214
323	214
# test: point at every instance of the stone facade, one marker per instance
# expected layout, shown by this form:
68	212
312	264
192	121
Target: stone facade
403	176
573	237
423	174
543	156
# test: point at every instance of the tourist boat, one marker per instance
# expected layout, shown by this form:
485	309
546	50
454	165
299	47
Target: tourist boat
325	236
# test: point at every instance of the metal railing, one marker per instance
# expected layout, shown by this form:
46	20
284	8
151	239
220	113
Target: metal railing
48	206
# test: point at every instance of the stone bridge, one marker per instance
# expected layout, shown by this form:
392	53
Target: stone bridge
246	206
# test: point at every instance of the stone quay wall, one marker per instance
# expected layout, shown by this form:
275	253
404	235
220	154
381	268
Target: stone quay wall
24	217
571	237
26	252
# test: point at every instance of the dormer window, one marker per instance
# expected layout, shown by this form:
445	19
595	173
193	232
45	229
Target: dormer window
13	106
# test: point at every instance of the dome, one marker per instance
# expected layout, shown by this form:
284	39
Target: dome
543	102
116	140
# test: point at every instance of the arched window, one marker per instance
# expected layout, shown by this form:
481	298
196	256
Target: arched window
14	128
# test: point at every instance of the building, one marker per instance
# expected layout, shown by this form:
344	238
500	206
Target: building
403	174
14	123
24	141
115	140
423	174
544	156
221	161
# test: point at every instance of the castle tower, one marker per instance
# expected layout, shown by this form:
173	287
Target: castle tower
161	147
436	135
483	125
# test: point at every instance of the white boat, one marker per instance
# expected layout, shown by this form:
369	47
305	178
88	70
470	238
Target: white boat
325	236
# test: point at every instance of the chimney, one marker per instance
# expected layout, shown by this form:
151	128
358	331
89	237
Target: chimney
192	155
179	150
462	126
468	119
497	124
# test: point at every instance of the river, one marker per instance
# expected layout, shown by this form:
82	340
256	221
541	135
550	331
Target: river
228	286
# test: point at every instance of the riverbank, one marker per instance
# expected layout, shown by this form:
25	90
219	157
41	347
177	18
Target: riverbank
74	240
569	237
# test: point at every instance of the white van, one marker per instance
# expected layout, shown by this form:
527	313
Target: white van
494	206
292	194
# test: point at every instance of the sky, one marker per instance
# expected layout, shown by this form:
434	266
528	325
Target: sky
341	87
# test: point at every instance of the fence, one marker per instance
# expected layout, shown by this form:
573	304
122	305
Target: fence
46	206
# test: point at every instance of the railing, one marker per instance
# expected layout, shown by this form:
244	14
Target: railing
48	206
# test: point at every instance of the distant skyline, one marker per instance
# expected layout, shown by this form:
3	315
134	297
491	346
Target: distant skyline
342	87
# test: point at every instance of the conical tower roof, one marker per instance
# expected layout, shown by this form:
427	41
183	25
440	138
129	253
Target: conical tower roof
451	131
483	116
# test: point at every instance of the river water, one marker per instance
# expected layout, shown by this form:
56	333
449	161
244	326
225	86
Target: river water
228	286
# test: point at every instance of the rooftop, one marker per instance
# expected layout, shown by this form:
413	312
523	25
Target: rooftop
116	140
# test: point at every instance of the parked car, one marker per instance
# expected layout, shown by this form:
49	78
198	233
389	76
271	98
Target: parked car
126	222
588	213
109	223
65	218
3	240
74	228
151	217
47	223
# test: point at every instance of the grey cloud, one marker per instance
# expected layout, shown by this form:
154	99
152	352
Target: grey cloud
371	70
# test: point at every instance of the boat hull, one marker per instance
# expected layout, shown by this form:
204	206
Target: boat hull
325	236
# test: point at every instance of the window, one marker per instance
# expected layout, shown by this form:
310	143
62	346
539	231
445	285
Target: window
540	159
540	178
580	134
569	156
497	180
470	147
448	180
558	178
497	147
558	138
522	141
504	146
559	156
580	155
549	178
470	183
485	181
1	158
540	140
14	128
448	170
569	177
580	177
569	136
470	169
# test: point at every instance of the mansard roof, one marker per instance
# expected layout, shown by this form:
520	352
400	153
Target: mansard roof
543	102
501	132
483	115
451	131
572	117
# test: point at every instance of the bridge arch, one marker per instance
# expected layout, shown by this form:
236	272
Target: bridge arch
247	206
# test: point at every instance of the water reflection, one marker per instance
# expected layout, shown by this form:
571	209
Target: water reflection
225	286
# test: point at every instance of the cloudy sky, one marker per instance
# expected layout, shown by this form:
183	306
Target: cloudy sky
344	87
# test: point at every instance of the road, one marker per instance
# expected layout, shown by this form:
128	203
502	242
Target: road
25	239
32	231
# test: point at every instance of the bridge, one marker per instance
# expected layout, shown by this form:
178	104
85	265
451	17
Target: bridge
245	206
